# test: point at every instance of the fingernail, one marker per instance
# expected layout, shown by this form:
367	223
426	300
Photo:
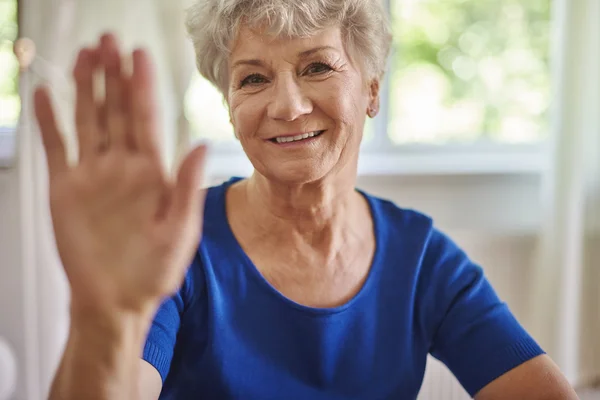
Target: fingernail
38	91
136	52
105	38
203	143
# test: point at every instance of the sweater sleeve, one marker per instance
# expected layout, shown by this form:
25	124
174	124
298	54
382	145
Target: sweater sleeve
472	331
162	335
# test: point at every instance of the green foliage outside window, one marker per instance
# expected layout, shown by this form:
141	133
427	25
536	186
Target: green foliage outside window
10	105
462	71
465	70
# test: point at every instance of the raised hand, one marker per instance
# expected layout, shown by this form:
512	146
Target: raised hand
125	231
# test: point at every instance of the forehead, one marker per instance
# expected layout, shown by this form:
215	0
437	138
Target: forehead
257	43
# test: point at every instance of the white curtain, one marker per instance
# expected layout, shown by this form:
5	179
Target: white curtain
565	316
59	28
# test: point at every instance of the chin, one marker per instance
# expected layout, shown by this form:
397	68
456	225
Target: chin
295	173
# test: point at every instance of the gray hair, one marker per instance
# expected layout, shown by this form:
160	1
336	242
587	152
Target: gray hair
213	25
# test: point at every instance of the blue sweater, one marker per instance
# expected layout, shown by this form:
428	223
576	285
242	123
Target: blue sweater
228	334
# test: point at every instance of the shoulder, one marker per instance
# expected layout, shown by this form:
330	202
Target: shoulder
421	252
388	215
407	227
399	216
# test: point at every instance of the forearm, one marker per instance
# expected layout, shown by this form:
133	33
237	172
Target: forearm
101	359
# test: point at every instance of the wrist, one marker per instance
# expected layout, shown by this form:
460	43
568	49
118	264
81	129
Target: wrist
114	326
112	312
102	356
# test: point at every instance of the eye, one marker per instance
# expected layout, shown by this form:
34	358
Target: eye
318	68
254	79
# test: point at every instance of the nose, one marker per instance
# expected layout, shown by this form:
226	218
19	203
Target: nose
288	102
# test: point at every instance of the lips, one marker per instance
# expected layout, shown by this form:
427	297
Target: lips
296	138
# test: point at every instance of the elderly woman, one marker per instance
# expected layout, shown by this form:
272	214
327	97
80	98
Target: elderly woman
302	287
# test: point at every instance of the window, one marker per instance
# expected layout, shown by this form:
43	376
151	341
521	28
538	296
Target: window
462	72
207	113
467	70
10	104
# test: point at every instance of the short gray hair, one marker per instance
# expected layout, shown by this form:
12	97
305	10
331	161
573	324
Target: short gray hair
213	25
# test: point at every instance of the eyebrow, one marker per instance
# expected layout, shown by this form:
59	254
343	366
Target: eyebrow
255	62
301	55
308	53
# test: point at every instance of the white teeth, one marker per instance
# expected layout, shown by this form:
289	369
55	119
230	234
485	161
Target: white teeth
288	139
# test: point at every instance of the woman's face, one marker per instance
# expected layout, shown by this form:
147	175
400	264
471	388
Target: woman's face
298	106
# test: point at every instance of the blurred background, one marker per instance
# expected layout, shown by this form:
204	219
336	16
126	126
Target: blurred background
490	123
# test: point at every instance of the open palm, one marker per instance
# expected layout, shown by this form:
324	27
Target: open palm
125	231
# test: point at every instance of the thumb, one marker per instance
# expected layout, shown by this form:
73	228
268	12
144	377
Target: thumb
188	198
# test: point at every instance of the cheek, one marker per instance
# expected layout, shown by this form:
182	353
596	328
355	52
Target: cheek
245	117
345	104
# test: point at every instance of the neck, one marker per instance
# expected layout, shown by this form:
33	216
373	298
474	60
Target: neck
303	208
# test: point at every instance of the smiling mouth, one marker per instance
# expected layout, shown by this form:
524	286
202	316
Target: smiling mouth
297	138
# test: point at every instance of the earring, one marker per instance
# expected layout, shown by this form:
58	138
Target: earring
371	112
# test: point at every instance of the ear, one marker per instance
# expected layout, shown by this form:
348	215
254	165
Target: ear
373	107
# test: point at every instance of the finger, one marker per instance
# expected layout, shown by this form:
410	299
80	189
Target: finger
101	107
51	137
101	141
130	141
143	105
115	117
86	114
188	199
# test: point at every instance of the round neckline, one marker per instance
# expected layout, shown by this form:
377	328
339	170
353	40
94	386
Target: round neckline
271	290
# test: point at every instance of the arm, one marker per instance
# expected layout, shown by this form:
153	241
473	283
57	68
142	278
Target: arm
536	379
125	231
101	359
150	383
477	336
115	346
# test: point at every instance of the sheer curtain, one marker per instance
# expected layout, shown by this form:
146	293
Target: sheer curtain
59	28
565	314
